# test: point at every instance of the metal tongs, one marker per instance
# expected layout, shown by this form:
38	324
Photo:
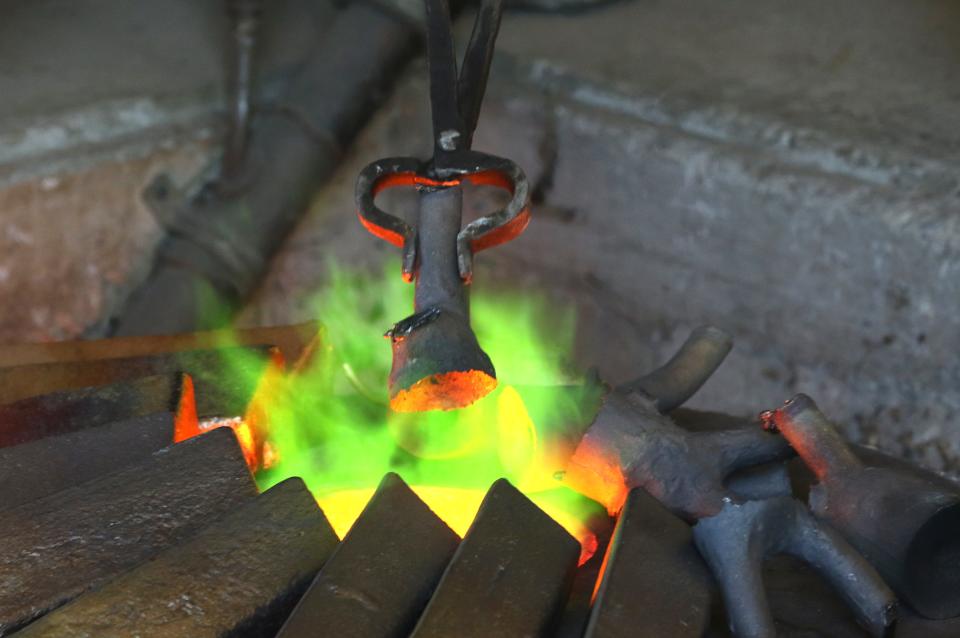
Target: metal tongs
437	362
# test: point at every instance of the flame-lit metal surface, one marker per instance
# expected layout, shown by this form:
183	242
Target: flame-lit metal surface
240	576
381	576
57	547
653	577
510	576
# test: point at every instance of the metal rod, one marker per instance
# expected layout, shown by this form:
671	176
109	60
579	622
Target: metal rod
246	20
438	282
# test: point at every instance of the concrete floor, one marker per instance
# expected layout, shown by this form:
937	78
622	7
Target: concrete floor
786	170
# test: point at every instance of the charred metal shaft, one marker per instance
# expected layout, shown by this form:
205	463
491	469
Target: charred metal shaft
654	582
907	525
437	361
438	279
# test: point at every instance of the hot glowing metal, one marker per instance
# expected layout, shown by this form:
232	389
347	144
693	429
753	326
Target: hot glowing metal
438	363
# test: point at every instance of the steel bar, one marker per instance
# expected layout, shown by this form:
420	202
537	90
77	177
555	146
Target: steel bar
379	579
510	576
238	577
75	540
224	378
41	468
218	246
60	413
294	342
654	582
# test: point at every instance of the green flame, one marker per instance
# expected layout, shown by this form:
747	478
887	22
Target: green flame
332	427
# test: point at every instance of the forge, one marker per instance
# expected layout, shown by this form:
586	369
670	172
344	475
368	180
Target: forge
518	408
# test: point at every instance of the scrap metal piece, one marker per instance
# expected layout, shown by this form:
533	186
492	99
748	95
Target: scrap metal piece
69	411
224	378
510	576
906	525
40	468
75	540
439	364
381	576
238	577
654	582
736	541
632	444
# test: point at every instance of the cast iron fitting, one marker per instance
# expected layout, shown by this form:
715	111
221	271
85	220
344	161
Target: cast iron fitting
631	443
736	541
906	525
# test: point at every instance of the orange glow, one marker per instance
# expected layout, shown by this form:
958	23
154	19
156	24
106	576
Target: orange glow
489	239
457	507
245	437
595	472
444	391
185	422
249	428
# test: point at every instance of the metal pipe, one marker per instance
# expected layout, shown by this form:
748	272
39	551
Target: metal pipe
219	244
